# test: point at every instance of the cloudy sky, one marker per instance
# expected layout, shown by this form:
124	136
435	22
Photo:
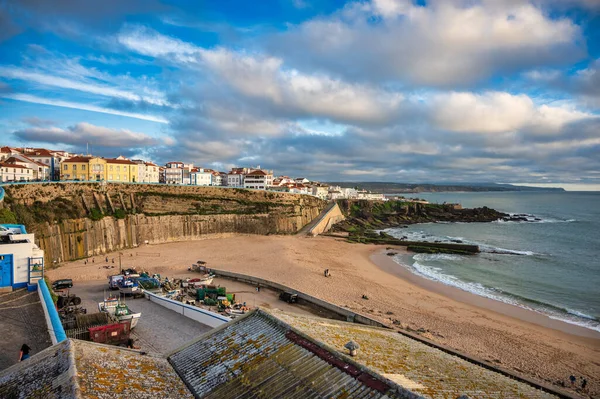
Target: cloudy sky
371	90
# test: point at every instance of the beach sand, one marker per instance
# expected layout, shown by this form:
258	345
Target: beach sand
510	337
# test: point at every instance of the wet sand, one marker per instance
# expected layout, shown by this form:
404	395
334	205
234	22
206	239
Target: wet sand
513	338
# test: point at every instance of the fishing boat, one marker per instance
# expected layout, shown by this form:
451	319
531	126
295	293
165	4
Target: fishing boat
120	310
198	281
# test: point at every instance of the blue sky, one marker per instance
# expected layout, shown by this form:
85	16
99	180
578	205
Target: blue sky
372	90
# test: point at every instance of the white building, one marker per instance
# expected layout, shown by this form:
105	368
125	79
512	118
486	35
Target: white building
219	178
258	180
201	177
297	188
301	180
152	173
320	191
41	171
177	173
367	195
20	259
50	158
15	172
7	152
235	178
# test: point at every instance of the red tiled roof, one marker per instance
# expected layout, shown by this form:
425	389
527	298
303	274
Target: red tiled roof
77	159
6	150
257	173
120	161
13	165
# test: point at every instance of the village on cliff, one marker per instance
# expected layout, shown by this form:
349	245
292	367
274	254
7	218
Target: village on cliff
40	164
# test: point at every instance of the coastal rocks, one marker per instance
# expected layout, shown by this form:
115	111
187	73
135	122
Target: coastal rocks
362	215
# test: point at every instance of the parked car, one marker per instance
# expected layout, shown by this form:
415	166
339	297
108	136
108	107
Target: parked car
288	297
62	284
5	231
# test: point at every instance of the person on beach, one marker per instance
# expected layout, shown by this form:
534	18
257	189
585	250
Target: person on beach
573	379
24	353
583	383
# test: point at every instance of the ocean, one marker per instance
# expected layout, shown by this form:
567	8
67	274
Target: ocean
551	266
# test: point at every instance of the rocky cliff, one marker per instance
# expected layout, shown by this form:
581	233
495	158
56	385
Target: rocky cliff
378	214
77	220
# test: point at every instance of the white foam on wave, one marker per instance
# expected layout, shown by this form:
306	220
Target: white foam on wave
532	219
436	274
422	236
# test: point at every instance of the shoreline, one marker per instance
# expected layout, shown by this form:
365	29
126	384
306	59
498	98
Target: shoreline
388	265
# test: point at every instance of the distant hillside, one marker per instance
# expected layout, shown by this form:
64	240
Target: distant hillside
399	188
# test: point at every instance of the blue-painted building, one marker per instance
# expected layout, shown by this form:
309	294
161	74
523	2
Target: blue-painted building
21	260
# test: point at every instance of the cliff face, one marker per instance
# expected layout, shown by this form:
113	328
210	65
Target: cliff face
378	215
73	221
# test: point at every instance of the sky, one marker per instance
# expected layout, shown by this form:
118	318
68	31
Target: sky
374	90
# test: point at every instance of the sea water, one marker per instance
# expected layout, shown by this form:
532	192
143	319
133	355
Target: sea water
551	266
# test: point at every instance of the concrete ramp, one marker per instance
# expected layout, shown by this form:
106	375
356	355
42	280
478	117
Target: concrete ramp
322	223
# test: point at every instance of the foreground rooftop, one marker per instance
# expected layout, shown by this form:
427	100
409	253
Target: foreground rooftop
263	354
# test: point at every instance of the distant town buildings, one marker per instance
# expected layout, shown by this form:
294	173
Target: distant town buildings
40	164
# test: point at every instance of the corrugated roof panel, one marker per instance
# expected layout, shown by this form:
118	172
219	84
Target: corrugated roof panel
253	357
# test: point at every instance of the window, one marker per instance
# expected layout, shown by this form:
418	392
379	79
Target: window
66	167
82	167
74	167
111	167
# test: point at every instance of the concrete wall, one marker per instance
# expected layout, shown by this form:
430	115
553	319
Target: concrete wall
330	218
198	314
349	315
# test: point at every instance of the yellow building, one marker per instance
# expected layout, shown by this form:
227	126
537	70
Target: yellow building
121	170
78	168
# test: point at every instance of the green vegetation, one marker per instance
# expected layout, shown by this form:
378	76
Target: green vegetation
96	214
120	214
7	216
52	293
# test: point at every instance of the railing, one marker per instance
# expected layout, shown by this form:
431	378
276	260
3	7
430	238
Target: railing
55	328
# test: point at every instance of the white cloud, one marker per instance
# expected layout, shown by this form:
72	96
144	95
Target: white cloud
148	42
85	107
83	133
444	43
266	78
499	112
83	86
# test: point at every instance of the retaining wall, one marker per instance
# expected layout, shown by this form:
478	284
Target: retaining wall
55	327
331	217
348	314
198	314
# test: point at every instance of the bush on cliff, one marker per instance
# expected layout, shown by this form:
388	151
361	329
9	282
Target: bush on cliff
96	214
7	216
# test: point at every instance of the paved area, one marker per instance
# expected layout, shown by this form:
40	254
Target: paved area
159	330
21	321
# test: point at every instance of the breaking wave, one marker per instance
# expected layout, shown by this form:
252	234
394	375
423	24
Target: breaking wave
421	268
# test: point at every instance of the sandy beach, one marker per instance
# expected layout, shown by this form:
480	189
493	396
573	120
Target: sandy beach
513	338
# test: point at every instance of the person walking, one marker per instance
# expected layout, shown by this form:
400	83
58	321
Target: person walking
573	379
24	353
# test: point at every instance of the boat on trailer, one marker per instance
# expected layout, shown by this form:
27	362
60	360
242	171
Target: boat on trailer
120	310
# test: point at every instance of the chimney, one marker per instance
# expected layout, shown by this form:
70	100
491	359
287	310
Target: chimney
352	347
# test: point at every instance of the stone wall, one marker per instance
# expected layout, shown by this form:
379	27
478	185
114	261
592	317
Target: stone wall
153	213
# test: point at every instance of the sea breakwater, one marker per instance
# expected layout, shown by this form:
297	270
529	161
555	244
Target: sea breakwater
77	220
